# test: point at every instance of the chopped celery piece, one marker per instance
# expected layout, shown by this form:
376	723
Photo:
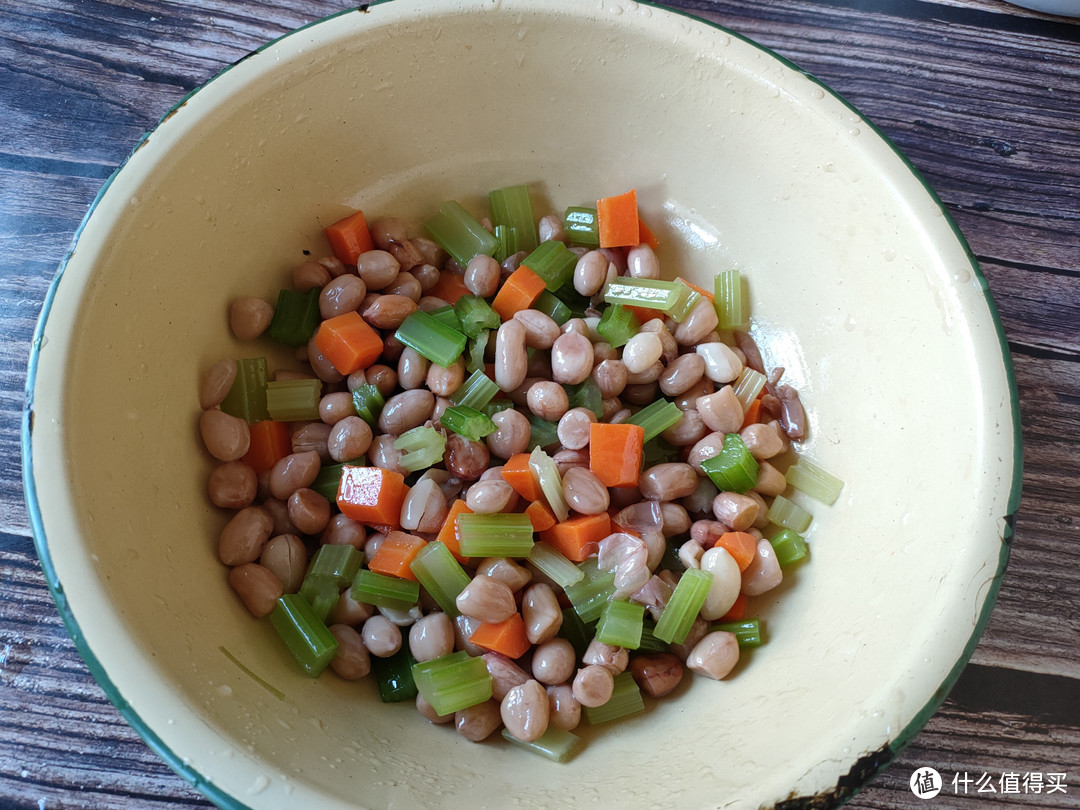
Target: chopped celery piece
447	316
658	451
656	417
508	242
420	447
577	632
337	563
497	405
683	606
649	293
321	593
589	595
553	262
547	475
556	744
649	641
468	422
394	676
727	298
477	347
541	432
748	385
747	632
296	317
790	547
498	535
475	315
808	477
435	340
382	590
305	635
586	395
582	226
512	208
685	303
552	563
617	325
293	400
733	469
577	303
440	575
368	402
620	624
789	514
476	392
625	701
328	480
247	397
459	234
553	307
453	681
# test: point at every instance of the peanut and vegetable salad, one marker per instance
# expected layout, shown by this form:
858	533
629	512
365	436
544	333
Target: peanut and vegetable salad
515	476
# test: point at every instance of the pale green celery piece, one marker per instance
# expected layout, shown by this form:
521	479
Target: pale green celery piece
498	535
789	515
453	682
620	624
476	392
748	385
656	417
625	701
589	595
683	606
304	634
808	477
556	744
550	561
727	298
293	400
512	208
459	234
547	475
421	447
440	575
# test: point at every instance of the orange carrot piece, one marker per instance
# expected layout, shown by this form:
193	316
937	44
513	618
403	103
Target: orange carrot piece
618	221
615	453
696	288
646	236
753	413
396	553
371	495
577	537
517	473
349	237
450	287
348	342
737	612
270	442
518	292
740	545
507	637
541	517
448	535
644	313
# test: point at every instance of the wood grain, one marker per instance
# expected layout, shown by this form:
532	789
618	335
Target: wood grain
982	96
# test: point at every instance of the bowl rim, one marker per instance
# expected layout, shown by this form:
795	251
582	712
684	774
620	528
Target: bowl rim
862	771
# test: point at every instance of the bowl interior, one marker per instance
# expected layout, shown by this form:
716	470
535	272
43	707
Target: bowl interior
859	285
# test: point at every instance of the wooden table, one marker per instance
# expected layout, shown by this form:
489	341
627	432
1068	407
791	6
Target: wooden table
982	96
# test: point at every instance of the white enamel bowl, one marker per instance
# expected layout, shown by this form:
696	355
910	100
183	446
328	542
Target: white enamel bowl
861	287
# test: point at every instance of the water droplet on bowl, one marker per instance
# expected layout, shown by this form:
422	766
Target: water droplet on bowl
849	323
888	253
